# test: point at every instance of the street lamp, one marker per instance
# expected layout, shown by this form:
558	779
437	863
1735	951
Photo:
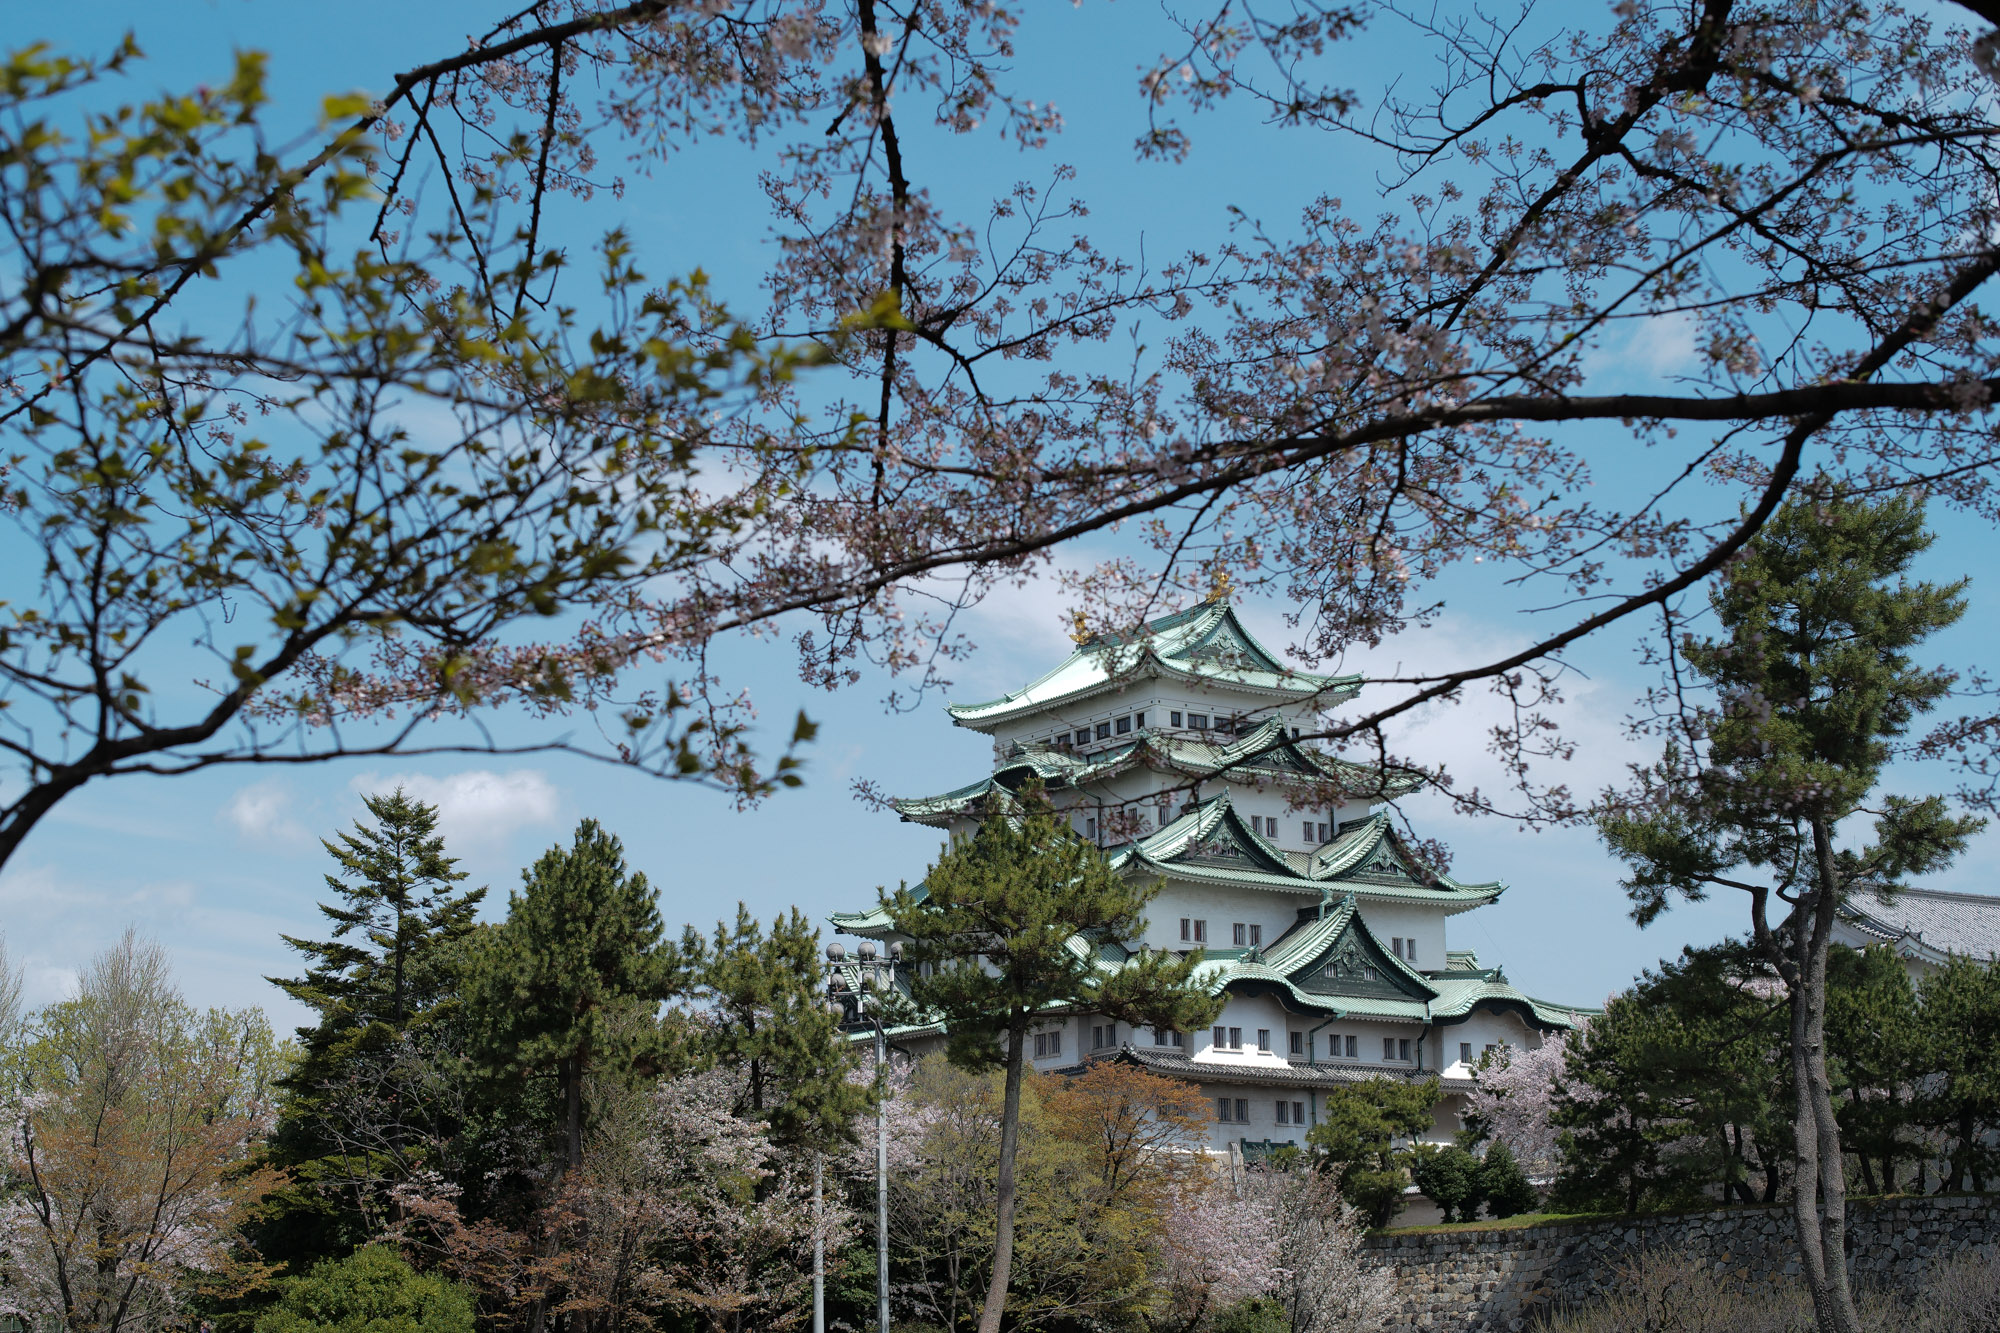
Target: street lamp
875	977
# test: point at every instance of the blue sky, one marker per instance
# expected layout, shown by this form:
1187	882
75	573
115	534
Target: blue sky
218	865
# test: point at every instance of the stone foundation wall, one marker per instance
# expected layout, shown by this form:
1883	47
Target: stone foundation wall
1496	1281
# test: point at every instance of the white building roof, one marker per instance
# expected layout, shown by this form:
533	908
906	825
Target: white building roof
1927	924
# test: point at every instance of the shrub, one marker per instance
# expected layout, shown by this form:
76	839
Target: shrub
1960	1295
1259	1314
370	1291
1450	1177
1504	1185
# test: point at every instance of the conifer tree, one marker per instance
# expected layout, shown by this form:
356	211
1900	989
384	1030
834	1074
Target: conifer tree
766	1014
568	987
1362	1141
1877	1062
399	912
1959	1022
1813	685
360	1100
1675	1091
989	936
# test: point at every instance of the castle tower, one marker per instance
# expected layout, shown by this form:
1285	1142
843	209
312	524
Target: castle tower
1176	751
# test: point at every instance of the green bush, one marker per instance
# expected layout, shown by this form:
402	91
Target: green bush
1450	1177
1504	1184
370	1291
1259	1314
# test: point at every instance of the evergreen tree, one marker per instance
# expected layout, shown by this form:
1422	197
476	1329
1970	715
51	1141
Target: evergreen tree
362	1100
1504	1185
1959	1026
1813	684
1876	1061
1448	1174
765	1013
1675	1092
1365	1140
568	987
990	934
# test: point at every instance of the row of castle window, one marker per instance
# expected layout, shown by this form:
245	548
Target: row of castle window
1465	1051
1236	1111
1243	934
1105	1036
1125	726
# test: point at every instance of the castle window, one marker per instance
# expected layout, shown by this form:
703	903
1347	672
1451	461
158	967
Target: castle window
1123	725
1396	945
1388	1048
1222	1107
1322	832
1410	949
1103	730
1090	828
1353	1047
1465	1052
1239	934
1242	1111
1220	1039
1198	721
1048	1043
1083	737
1187	929
1236	1039
1295	733
1173	719
1309	832
1264	1040
1256	936
1138	719
1200	931
1298	1042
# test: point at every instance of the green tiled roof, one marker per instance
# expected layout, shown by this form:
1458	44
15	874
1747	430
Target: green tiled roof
1205	643
1212	844
1264	753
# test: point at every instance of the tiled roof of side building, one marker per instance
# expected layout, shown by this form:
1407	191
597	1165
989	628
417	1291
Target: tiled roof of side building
1206	643
1929	923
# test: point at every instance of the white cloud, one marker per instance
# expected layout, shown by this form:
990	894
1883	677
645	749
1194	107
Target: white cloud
1655	348
263	810
479	805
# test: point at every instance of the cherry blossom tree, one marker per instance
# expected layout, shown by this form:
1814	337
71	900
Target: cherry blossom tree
1513	1101
1323	1284
1216	1247
1341	407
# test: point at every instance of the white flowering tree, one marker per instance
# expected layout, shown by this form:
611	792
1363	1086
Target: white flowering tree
1513	1101
1322	1282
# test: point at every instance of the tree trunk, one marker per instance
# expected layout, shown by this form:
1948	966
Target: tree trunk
1010	1137
572	1081
1819	1194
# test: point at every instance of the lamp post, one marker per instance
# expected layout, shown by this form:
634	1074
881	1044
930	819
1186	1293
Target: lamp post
874	976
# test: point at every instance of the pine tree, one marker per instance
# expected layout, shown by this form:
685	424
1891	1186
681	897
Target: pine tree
1363	1141
568	987
1876	1061
400	914
1674	1093
1959	1041
1813	685
989	936
360	1105
765	1013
